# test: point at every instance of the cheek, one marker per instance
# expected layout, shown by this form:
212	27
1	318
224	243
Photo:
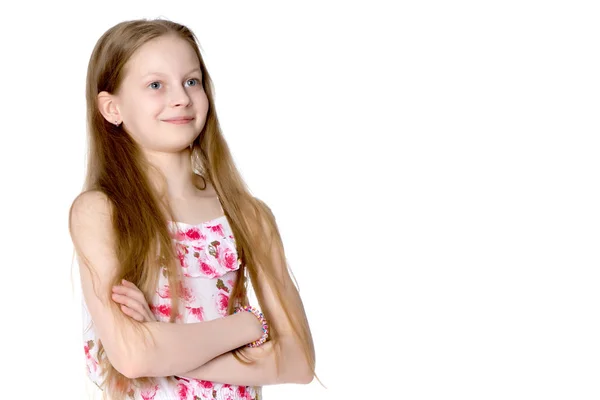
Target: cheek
143	105
142	117
201	102
149	107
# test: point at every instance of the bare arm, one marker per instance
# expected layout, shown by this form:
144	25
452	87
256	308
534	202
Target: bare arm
293	366
226	369
176	347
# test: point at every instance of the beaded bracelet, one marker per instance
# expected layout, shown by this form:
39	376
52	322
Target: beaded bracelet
263	321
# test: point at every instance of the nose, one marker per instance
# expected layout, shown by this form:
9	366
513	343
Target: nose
179	97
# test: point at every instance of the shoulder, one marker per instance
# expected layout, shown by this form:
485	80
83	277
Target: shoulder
264	217
91	213
92	201
263	206
94	239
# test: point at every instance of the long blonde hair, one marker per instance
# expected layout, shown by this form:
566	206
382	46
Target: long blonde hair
117	168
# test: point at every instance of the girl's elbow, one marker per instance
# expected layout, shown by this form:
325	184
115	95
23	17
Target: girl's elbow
298	374
297	378
126	366
129	370
298	370
309	377
130	362
304	376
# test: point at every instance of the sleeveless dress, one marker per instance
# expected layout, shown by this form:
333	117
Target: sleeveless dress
208	258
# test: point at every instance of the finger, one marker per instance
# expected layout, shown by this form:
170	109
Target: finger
141	317
129	302
132	313
130	292
141	309
135	296
128	289
119	298
128	284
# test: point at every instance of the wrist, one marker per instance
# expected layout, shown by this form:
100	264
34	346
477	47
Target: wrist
259	319
248	326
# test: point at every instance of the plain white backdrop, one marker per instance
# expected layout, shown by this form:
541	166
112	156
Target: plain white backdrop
434	170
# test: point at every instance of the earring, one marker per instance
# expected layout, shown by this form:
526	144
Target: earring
117	123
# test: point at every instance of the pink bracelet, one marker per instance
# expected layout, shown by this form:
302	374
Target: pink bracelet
263	321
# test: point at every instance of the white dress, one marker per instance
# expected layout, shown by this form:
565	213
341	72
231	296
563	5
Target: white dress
210	264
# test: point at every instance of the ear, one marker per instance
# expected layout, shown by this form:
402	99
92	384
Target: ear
107	105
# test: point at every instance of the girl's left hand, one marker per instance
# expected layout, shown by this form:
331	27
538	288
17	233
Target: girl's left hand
132	301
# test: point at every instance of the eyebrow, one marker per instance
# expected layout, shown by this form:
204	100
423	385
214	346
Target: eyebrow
159	73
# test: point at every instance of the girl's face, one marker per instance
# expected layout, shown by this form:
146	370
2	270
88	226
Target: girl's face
161	101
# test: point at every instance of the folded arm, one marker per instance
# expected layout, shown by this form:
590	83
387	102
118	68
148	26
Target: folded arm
176	347
293	366
263	371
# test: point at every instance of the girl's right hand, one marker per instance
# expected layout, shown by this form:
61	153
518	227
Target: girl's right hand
132	301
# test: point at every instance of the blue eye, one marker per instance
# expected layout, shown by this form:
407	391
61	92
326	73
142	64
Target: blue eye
154	85
194	80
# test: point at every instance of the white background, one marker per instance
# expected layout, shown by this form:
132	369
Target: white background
434	170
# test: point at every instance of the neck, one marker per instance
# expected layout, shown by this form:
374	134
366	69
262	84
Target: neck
177	170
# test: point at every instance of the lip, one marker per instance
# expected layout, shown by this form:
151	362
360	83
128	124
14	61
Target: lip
179	120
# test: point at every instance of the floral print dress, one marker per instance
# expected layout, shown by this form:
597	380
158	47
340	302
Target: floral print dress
208	258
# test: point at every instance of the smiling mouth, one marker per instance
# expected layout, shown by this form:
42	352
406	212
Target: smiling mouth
179	121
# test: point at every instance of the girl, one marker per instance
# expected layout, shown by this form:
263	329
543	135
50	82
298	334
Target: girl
165	210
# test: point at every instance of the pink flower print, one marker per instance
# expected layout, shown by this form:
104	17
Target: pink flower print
194	234
178	235
197	312
182	251
164	292
161	311
207	269
227	392
185	293
148	394
229	259
243	393
222	303
230	282
90	360
205	384
218	229
183	390
202	389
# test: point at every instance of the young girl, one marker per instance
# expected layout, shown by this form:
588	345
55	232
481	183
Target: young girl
167	235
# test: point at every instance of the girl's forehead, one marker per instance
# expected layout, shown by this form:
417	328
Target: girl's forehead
164	55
